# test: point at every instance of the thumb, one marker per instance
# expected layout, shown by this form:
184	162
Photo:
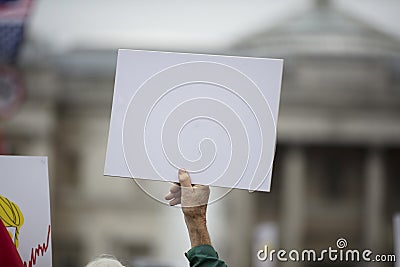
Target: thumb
184	178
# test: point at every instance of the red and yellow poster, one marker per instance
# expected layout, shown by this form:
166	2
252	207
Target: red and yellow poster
25	207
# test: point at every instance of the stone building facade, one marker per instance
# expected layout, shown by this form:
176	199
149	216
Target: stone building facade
336	171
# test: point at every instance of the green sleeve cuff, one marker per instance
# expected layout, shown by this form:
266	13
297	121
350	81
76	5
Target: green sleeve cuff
204	256
202	250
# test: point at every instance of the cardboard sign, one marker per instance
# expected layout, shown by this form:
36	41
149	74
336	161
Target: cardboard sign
214	116
25	207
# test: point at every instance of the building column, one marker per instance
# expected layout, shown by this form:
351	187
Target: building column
293	200
241	227
374	193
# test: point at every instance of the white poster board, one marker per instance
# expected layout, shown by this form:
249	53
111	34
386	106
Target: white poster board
396	221
214	116
25	207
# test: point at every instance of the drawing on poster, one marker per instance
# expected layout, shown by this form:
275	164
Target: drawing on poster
12	217
25	207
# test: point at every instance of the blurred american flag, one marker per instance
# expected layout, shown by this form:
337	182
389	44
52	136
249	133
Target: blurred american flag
13	14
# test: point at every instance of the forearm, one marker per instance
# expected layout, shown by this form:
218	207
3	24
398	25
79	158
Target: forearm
198	232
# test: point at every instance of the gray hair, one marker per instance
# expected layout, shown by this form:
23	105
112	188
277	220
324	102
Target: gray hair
105	261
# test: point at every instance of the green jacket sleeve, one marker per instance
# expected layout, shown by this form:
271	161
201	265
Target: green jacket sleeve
204	256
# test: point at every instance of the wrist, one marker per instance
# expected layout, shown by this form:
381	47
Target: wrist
198	232
196	221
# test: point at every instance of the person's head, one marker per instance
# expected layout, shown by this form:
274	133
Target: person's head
105	261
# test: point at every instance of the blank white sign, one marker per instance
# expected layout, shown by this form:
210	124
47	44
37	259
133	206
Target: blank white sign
213	115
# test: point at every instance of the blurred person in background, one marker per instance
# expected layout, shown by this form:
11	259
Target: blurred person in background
105	261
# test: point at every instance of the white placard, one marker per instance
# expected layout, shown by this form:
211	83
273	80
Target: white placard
397	238
215	116
25	207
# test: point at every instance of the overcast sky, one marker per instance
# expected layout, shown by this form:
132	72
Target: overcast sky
209	24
